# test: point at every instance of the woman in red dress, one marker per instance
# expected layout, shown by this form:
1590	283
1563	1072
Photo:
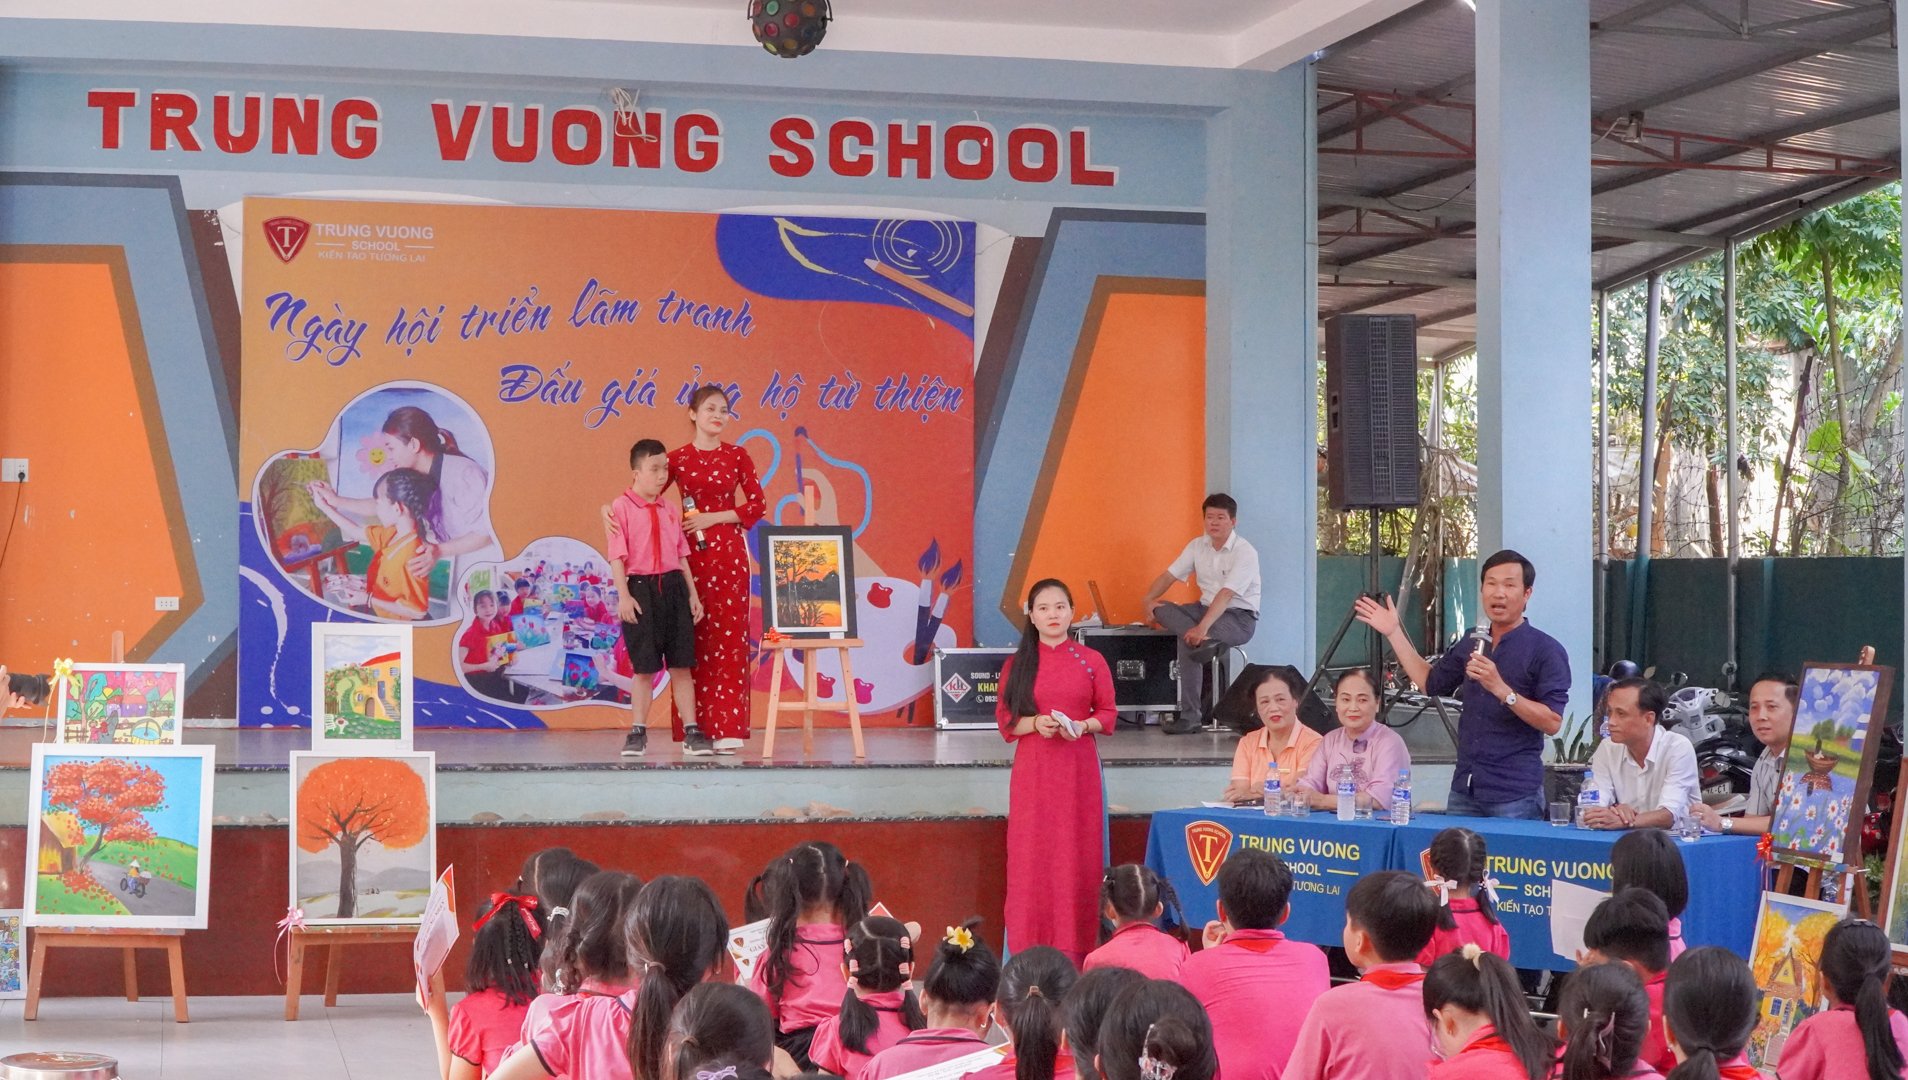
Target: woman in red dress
1057	695
711	472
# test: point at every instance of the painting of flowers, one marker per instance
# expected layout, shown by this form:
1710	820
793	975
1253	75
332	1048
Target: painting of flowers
1825	775
119	836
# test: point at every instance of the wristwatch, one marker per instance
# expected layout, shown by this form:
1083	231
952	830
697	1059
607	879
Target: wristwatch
1729	824
1510	702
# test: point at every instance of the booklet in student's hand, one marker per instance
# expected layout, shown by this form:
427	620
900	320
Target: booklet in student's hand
436	932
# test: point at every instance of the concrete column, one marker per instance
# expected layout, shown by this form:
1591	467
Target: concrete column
1533	307
1261	344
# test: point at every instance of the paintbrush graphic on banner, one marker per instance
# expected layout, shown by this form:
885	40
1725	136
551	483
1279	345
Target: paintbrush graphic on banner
920	288
930	625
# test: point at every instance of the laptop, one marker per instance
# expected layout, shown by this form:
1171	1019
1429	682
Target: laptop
1099	605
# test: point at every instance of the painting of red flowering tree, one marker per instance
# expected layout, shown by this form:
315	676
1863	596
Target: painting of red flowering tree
121	836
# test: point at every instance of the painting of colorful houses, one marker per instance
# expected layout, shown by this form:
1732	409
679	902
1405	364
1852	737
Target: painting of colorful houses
13	956
120	836
123	704
1789	934
361	687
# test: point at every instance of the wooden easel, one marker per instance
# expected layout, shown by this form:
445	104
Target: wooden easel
334	939
1854	884
809	647
109	938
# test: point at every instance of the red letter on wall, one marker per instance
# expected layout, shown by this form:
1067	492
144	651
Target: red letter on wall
354	128
790	136
173	114
110	104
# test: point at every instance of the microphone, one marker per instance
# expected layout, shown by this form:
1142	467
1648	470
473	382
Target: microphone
1481	637
689	510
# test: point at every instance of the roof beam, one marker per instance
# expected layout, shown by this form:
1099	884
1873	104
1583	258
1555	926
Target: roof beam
1677	93
1389	297
1337	272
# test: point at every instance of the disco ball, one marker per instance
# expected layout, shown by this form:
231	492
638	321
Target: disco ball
789	28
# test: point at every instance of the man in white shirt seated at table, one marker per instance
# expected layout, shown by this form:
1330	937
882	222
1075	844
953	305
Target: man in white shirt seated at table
1645	776
1227	614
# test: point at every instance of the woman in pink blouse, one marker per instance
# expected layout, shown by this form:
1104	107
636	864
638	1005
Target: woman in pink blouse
1375	752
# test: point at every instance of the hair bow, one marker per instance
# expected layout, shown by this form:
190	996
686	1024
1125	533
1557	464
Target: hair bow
1443	887
960	937
1472	952
726	1073
525	905
1490	889
558	911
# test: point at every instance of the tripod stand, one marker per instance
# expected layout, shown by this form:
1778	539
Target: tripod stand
1376	642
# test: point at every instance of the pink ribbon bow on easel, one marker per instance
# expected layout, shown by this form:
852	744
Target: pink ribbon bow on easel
294	920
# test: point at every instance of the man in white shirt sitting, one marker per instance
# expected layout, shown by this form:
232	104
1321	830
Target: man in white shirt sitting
1227	614
1645	774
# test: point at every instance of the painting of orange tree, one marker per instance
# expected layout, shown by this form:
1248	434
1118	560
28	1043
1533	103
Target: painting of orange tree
363	838
120	836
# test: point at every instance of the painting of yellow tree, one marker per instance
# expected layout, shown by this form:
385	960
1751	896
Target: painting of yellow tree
1789	933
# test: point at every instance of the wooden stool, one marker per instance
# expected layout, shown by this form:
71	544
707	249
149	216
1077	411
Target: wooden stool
109	938
808	647
335	938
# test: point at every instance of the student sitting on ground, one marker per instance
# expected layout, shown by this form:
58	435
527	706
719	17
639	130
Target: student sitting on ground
1374	1029
1632	928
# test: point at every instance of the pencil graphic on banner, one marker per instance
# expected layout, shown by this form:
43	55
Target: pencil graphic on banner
920	288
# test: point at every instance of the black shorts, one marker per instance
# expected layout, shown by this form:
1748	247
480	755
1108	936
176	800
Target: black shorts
663	635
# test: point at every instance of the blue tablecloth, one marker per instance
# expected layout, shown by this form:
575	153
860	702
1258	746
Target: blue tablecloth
1327	856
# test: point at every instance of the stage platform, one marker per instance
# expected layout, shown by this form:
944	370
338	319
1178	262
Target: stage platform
577	776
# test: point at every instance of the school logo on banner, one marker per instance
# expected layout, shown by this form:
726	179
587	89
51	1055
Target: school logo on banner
1208	842
287	236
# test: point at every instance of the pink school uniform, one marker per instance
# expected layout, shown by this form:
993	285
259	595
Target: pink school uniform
1472	929
545	1008
929	1046
1828	1046
1677	948
1485	1057
1656	1052
484	1026
1257	987
815	983
1062	1068
1143	947
1373	1029
588	1041
828	1051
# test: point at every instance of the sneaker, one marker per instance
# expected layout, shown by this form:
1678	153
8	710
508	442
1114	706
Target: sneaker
696	744
636	743
728	747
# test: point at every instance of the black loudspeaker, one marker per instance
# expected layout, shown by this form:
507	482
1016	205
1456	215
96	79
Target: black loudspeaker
1371	411
1235	710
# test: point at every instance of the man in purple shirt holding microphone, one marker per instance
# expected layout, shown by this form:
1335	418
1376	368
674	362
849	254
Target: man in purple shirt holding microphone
1514	689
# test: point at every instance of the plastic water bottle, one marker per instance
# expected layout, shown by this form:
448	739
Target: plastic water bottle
1347	794
1401	798
1587	797
1274	795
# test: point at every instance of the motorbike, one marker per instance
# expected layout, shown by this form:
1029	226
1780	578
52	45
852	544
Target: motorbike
134	885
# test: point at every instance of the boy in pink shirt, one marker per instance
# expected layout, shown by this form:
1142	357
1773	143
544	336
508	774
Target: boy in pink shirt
1374	1029
1256	985
1131	897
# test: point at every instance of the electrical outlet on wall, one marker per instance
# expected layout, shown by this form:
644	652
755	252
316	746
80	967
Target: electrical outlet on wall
165	603
13	470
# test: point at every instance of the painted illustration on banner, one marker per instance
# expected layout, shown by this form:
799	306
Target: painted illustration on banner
449	384
1789	935
374	522
124	704
364	845
119	836
1829	761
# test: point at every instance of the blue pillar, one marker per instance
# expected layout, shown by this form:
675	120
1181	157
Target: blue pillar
1261	351
1533	307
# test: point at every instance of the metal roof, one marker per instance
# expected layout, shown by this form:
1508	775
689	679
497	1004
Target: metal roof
1710	119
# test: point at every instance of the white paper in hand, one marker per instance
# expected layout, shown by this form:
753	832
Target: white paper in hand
1570	908
747	945
436	932
1069	724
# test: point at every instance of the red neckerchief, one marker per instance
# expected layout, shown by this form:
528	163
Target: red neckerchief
1392	978
1738	1072
1486	1038
922	1038
655	522
1260	945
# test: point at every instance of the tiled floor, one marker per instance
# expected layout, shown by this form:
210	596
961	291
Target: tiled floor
373	1037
